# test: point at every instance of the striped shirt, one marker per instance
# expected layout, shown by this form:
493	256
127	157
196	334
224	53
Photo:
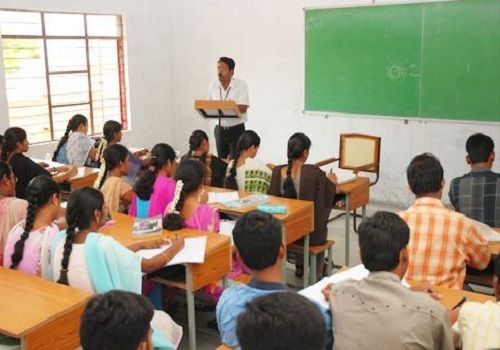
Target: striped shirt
479	325
477	196
441	243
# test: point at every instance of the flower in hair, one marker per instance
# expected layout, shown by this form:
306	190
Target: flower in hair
177	195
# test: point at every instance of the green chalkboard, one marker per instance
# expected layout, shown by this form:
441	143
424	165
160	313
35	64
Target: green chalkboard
427	60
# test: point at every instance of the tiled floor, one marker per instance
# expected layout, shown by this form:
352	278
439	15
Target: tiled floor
209	339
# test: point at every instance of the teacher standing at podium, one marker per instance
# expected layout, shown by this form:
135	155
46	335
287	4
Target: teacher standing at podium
229	88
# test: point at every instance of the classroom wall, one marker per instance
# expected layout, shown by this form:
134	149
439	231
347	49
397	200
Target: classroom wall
148	52
266	38
172	49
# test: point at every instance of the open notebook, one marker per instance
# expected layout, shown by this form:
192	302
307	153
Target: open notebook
192	253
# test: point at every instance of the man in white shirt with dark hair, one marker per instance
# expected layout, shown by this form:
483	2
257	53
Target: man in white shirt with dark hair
229	88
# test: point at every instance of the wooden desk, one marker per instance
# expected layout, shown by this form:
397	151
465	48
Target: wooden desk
86	176
451	297
217	261
357	194
41	313
495	246
298	222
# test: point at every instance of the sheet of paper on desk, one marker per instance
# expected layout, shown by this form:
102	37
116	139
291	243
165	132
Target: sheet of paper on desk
192	253
226	228
357	273
344	175
222	197
487	232
314	292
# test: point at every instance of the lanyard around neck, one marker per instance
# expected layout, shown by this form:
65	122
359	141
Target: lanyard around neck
227	93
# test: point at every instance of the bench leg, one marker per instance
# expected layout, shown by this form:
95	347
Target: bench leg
330	261
190	308
312	267
306	261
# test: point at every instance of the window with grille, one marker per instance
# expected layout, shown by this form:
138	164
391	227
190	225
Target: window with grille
60	64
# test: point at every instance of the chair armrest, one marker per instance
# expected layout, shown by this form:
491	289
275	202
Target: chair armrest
363	168
325	162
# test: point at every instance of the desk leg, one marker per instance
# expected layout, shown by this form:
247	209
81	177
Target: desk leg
306	261
363	212
347	229
190	308
224	282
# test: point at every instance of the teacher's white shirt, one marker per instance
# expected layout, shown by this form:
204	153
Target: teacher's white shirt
237	91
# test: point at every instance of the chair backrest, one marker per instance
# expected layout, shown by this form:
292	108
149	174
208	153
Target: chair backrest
357	150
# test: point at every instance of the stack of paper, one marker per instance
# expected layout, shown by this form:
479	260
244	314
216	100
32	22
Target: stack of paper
192	253
222	197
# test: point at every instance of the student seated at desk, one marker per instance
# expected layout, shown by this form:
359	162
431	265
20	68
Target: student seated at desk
15	144
442	241
117	191
477	193
379	312
111	134
154	188
80	147
259	244
199	149
75	124
188	208
90	261
299	180
281	321
12	209
244	172
479	323
117	320
27	247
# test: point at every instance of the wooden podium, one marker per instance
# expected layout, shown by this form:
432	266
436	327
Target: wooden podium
215	109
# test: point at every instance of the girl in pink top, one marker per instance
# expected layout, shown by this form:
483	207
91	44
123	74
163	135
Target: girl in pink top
155	187
187	210
27	247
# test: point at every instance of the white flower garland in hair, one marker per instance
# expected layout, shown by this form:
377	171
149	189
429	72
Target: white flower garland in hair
178	189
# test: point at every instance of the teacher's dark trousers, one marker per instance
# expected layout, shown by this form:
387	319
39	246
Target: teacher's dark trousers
226	139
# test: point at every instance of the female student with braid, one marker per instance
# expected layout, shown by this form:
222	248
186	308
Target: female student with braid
75	124
12	209
90	261
117	191
199	149
80	147
155	187
112	133
15	143
245	172
304	181
188	208
27	247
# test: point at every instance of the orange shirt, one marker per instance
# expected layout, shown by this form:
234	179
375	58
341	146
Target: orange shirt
441	243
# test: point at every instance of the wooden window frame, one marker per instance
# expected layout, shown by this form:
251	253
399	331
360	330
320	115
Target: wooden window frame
120	64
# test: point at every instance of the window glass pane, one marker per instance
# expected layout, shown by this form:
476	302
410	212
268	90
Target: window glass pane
26	87
64	24
103	25
20	23
105	82
66	55
69	88
61	116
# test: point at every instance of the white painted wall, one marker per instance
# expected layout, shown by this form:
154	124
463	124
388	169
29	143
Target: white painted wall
173	47
149	53
266	38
